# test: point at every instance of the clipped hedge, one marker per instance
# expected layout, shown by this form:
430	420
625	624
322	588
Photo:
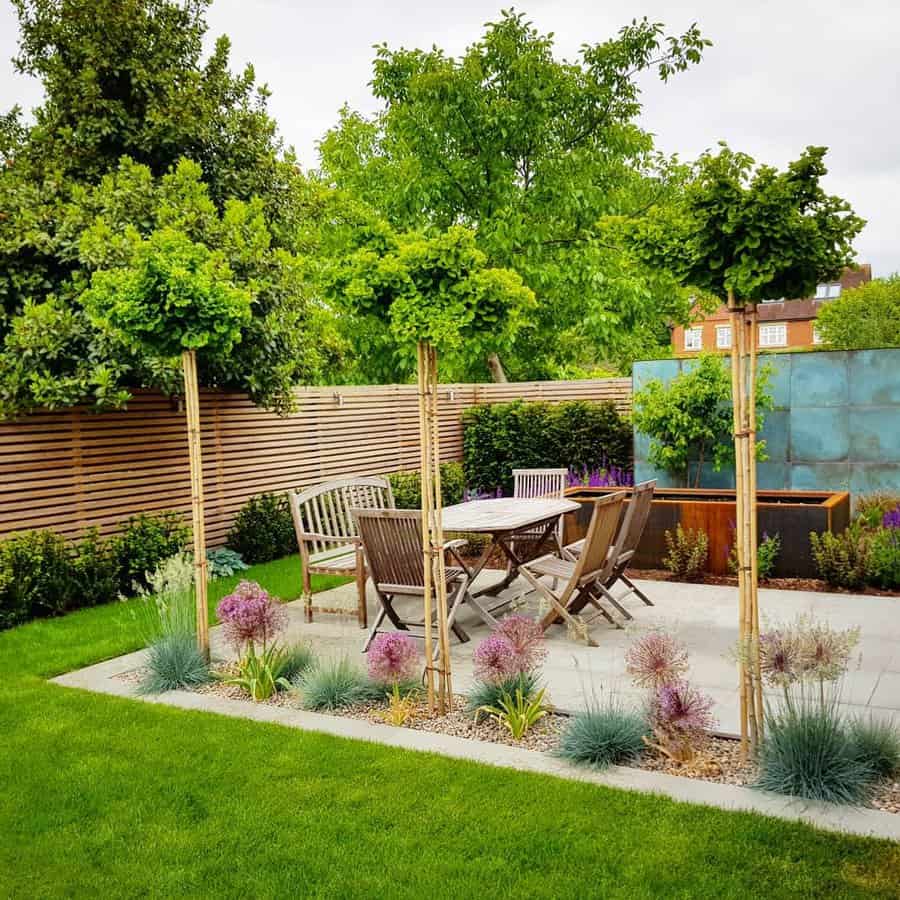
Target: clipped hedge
263	530
407	486
41	575
577	434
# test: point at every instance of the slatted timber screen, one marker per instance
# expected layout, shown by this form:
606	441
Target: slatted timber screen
75	469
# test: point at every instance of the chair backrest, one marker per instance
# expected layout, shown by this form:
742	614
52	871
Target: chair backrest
392	541
325	510
595	553
635	520
539	482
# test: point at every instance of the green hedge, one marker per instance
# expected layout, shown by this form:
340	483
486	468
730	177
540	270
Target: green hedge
407	486
506	436
42	575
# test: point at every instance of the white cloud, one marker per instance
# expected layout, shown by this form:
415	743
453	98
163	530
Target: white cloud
780	76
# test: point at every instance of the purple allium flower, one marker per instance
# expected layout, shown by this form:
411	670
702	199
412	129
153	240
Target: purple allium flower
891	518
393	658
656	659
526	639
681	711
250	615
779	657
495	660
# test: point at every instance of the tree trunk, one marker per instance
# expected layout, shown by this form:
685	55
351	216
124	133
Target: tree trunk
192	409
498	375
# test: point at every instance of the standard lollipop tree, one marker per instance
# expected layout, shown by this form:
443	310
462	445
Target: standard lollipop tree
746	234
175	298
434	292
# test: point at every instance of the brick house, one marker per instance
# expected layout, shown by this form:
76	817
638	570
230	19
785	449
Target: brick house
783	324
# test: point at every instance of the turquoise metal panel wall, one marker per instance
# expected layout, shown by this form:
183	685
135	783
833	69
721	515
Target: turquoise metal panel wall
835	425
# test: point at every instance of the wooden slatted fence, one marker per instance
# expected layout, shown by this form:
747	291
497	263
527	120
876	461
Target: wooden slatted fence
75	469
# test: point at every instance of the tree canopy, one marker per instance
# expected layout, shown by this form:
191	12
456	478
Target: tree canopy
755	231
136	135
529	152
864	317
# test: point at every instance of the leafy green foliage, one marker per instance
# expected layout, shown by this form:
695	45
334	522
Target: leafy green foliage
174	662
808	751
604	734
842	559
175	295
335	685
504	436
518	714
144	542
530	151
884	558
222	562
35	577
870	508
407	486
877	744
754	231
690	419
263	529
767	552
489	693
864	317
688	550
261	674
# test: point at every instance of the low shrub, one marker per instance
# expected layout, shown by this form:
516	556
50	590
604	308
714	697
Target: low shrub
576	434
174	662
263	530
95	570
877	744
842	559
604	734
871	509
407	486
808	751
143	543
517	714
36	577
335	685
688	550
884	558
767	552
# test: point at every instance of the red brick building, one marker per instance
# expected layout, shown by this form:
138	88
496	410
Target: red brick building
783	324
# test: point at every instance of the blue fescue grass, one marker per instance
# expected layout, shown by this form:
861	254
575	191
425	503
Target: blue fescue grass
877	743
174	662
605	733
335	685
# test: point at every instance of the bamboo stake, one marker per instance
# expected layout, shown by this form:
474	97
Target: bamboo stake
192	410
425	469
445	695
757	706
737	396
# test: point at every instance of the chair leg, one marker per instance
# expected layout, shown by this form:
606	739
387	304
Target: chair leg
636	589
611	599
454	602
307	595
362	612
374	630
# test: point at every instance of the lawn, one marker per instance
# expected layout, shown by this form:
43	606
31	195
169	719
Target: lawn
115	797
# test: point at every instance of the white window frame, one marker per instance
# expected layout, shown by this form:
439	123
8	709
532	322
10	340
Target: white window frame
828	291
767	328
723	337
690	334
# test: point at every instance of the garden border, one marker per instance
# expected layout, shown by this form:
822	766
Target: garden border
101	678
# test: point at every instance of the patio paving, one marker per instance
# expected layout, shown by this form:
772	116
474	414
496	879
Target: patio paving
704	617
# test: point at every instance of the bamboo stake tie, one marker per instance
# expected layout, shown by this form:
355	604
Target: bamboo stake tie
195	455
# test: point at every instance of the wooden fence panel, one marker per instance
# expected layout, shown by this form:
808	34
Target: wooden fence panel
76	469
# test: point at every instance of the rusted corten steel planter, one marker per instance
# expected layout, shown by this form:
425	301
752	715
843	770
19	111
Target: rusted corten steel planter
790	514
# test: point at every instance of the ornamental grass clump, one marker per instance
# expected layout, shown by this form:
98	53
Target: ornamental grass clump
877	743
605	733
335	685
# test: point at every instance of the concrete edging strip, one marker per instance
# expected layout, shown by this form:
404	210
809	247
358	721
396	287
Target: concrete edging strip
100	678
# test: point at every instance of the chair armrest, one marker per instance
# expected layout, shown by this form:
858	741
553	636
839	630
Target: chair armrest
455	544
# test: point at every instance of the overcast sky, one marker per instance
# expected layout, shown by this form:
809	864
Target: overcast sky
780	76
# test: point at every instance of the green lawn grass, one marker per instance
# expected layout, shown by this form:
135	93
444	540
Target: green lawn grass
103	796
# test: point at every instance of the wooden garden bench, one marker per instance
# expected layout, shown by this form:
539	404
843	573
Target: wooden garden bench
326	531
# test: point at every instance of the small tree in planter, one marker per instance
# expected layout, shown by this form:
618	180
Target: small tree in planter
434	291
690	418
175	297
746	234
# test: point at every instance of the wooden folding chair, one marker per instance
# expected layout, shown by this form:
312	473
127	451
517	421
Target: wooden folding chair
626	543
578	577
532	483
392	542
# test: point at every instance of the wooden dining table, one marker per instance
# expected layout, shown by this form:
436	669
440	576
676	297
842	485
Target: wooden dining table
503	518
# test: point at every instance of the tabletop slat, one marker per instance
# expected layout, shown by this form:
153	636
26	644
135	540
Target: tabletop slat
503	514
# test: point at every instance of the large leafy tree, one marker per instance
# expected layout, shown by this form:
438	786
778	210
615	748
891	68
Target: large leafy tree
862	318
529	152
136	133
